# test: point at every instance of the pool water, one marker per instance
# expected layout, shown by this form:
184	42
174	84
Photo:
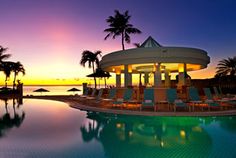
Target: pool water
42	128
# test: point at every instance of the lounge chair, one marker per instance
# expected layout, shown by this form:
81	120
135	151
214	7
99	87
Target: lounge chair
85	93
127	96
92	96
194	96
111	95
217	93
209	98
97	98
148	99
172	99
209	95
195	99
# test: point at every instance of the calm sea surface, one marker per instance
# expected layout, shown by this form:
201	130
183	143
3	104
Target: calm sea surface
53	90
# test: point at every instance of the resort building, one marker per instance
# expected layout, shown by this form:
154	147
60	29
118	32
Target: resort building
157	60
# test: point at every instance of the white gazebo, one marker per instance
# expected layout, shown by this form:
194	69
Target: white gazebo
151	57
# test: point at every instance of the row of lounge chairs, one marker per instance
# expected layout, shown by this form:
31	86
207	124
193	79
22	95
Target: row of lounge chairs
171	99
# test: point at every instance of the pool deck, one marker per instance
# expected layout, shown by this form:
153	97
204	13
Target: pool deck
78	103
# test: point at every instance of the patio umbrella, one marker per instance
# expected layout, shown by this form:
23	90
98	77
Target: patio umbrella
100	74
41	90
73	90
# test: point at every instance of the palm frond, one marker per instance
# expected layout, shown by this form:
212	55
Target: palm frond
2	55
119	25
226	67
127	38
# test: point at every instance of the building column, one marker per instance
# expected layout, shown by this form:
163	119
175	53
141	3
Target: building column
128	75
140	79
146	78
157	75
118	77
182	72
167	78
118	80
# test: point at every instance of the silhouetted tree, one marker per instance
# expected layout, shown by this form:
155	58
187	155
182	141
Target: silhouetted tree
92	59
17	68
119	26
226	67
6	67
2	55
7	122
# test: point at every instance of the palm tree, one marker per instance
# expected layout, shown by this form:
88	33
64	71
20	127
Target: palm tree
137	45
6	67
2	55
226	67
17	68
119	25
92	59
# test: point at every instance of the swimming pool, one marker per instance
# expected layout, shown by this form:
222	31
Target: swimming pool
42	128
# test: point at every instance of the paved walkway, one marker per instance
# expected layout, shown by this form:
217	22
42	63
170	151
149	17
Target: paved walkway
78	103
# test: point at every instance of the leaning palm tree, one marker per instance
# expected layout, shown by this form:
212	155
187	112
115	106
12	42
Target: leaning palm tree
6	67
119	25
17	68
92	59
2	55
226	67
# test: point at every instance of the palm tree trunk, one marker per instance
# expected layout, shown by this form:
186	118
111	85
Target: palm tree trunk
95	82
122	41
14	81
6	82
105	82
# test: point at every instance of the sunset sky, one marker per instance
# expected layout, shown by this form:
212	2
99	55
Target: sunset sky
48	36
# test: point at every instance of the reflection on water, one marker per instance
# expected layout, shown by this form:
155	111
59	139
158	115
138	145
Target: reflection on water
128	136
6	120
42	128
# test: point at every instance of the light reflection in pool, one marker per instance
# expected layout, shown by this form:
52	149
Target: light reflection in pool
53	129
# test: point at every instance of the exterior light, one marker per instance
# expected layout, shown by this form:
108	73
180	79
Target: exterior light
182	134
162	144
129	68
117	71
154	67
130	133
181	67
118	125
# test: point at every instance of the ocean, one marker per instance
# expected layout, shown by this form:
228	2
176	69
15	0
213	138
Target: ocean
53	90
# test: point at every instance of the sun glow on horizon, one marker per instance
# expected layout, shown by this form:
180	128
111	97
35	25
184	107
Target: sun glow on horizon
65	75
49	37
